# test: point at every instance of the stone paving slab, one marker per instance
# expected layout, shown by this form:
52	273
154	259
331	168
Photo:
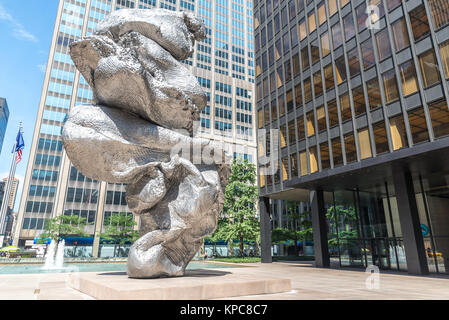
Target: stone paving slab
307	283
198	284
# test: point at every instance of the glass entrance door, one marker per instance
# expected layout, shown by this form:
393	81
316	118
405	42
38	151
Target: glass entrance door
364	229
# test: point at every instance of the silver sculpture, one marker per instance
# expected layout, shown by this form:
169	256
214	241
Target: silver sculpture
146	102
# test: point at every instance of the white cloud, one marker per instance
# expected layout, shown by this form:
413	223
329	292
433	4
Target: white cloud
5	15
21	34
19	30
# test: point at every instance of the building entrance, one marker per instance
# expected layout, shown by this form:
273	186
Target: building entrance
364	229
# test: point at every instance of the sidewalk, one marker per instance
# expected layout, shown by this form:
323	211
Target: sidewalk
308	283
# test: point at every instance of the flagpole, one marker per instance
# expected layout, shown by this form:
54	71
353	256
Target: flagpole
4	208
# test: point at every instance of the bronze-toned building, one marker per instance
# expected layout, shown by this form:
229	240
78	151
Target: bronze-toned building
361	104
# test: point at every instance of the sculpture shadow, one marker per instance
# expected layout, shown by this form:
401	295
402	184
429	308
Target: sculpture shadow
193	273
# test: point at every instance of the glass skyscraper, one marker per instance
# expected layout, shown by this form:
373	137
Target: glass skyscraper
4	117
223	64
360	102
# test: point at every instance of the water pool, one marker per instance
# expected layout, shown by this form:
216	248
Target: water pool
91	267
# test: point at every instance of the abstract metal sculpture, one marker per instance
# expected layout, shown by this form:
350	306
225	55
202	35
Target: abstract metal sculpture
146	102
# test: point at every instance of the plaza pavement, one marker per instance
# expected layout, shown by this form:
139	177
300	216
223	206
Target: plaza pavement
308	283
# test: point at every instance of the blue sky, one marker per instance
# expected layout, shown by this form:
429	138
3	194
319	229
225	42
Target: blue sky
26	28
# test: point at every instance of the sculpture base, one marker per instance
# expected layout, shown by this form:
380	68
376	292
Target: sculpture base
195	285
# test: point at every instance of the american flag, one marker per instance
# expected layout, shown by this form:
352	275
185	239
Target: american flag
20	145
19	156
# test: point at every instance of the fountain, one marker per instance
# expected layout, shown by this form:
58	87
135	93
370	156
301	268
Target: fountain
50	256
59	261
52	263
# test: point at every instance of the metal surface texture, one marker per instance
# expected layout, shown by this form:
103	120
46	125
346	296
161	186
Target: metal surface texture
138	129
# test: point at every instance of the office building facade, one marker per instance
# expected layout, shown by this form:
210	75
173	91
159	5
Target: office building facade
10	216
223	64
4	117
13	192
360	102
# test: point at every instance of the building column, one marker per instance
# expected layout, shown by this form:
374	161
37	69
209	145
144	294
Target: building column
410	225
265	230
319	227
99	220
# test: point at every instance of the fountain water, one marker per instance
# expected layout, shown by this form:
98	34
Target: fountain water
50	261
50	256
59	262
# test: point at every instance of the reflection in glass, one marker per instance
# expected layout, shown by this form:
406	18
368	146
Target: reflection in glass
418	125
313	158
305	57
362	16
429	68
296	68
301	129
308	90
337	153
321	14
332	7
318	84
440	12
315	51
398	132
302	29
340	68
439	115
329	77
294	165
380	137
345	107
325	157
312	22
383	44
332	113
364	144
390	86
310	124
337	37
348	23
359	101
325	45
298	95
444	49
292	132
367	54
351	151
408	78
374	96
321	118
353	62
303	162
420	22
400	34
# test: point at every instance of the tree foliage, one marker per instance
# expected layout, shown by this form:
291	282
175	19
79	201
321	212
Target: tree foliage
343	216
301	227
63	226
120	229
238	220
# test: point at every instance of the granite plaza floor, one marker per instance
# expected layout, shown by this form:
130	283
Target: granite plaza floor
308	283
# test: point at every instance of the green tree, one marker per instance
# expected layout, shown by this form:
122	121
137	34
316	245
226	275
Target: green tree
344	216
120	229
238	220
301	227
279	235
62	227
